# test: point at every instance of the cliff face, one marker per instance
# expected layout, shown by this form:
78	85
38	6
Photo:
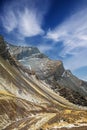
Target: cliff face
52	73
3	50
32	59
28	102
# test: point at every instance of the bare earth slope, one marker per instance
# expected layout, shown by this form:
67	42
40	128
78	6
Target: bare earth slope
28	103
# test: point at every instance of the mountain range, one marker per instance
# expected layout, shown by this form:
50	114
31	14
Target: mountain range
38	93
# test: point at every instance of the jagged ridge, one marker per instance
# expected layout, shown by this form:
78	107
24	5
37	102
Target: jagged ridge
31	104
52	73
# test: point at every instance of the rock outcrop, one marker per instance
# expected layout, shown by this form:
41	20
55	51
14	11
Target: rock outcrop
52	73
27	102
3	48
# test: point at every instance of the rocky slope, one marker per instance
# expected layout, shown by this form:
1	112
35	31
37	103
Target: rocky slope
52	73
27	103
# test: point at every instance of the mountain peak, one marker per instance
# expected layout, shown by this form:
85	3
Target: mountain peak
46	96
20	52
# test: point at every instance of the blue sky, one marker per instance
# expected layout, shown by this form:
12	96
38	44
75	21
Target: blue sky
57	27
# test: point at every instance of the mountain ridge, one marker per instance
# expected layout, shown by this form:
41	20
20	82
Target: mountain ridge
52	72
29	103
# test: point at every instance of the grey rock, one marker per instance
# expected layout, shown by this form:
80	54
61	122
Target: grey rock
52	73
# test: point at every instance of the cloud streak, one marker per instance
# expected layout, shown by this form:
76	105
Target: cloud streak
73	34
29	23
24	19
73	31
45	47
7	21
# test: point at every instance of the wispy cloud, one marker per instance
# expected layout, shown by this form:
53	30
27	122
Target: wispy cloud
73	34
9	21
29	23
45	47
78	60
25	19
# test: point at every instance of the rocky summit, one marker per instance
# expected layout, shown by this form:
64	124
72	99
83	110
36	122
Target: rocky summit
52	72
37	93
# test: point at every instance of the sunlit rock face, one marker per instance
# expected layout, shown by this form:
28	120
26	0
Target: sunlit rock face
52	73
28	102
34	60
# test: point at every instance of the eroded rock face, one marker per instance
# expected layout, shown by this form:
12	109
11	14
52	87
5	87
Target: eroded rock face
3	49
20	52
27	104
31	58
52	73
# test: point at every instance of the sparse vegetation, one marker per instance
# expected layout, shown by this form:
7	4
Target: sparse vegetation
26	103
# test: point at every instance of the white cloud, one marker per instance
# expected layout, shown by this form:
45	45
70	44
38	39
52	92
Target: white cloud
29	23
73	33
9	21
78	60
43	48
26	22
